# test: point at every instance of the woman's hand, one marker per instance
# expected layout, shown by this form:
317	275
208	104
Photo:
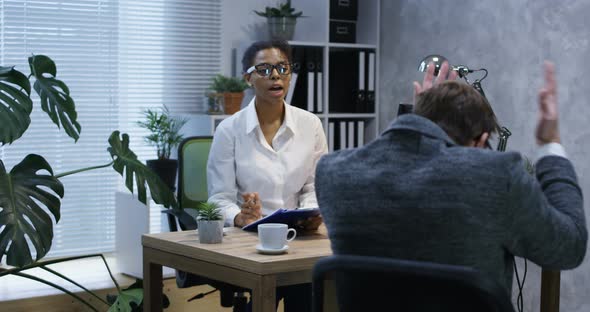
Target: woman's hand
251	210
310	224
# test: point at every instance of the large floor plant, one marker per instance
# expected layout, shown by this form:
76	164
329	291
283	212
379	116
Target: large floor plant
30	191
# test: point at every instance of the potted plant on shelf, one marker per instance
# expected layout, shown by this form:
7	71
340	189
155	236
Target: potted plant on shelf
281	20
31	194
232	89
210	223
164	135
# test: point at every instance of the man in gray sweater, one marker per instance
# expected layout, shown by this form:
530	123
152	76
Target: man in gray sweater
428	189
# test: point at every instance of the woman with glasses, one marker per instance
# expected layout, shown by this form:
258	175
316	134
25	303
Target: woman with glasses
264	157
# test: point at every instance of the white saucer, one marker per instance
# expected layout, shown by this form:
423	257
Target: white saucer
272	251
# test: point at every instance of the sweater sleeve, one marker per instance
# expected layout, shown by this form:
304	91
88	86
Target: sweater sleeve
547	222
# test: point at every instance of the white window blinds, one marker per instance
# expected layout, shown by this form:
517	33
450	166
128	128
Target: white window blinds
117	57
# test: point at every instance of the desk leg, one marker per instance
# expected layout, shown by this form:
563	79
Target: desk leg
152	284
264	294
550	288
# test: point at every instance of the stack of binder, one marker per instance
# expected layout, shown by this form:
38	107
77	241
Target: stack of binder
345	133
307	80
352	81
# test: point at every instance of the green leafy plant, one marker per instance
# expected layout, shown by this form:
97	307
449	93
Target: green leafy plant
222	84
208	211
164	130
30	193
133	296
282	10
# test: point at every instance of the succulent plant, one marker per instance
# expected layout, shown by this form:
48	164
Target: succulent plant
209	212
282	10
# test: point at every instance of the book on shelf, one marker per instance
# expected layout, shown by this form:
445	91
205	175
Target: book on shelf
351	135
360	130
345	133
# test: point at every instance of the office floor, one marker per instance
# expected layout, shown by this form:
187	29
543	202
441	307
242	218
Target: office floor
178	301
209	303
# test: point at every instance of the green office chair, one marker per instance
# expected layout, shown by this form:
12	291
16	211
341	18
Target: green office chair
365	283
193	153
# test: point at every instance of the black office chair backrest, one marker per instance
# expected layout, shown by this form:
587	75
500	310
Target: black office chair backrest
383	284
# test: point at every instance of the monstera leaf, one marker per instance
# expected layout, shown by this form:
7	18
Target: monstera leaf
55	95
127	164
21	193
125	298
15	104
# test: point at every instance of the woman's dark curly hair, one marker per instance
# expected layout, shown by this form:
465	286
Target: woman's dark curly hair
250	53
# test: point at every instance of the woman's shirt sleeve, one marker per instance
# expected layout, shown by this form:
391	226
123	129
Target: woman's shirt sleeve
307	197
221	173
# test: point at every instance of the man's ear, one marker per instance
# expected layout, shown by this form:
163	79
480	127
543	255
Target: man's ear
481	141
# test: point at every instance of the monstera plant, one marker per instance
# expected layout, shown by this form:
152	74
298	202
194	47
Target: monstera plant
31	192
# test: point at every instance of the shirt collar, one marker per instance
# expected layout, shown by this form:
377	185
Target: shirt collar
252	119
421	125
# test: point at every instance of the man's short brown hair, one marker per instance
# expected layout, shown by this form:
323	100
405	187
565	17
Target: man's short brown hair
460	110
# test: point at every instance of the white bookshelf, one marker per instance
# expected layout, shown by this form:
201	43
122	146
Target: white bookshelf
313	30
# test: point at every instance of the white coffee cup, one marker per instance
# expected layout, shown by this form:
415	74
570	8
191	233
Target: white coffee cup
274	235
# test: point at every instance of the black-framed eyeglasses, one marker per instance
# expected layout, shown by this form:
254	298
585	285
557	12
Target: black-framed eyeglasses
266	69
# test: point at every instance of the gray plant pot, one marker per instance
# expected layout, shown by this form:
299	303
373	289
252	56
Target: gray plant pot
210	232
281	27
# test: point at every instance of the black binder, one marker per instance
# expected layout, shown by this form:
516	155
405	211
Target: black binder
319	80
343	84
371	68
310	61
297	62
299	97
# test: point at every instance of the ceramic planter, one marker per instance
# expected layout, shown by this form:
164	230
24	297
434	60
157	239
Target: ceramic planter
232	102
165	169
210	232
281	27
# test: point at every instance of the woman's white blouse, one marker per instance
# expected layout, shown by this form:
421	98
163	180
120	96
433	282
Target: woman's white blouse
241	161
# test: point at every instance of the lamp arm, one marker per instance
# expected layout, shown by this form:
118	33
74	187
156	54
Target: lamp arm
477	86
503	132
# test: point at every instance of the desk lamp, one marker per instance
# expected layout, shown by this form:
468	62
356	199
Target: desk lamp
503	132
463	71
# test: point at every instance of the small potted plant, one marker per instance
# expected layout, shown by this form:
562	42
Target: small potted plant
210	223
281	20
232	89
214	102
164	135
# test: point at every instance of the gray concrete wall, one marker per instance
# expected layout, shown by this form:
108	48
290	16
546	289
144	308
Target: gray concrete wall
510	38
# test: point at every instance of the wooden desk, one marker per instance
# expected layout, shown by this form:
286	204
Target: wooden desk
234	261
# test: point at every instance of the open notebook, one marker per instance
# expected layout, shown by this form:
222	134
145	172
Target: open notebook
286	216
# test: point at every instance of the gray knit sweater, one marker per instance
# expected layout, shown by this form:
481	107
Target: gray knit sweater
414	194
